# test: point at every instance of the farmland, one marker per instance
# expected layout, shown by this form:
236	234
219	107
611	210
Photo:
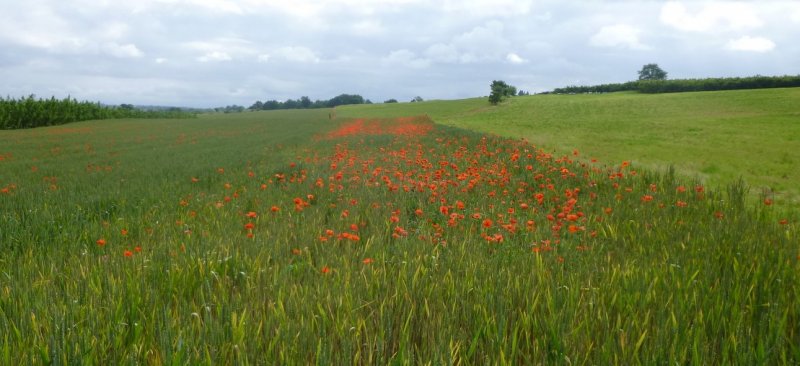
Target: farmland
286	237
716	137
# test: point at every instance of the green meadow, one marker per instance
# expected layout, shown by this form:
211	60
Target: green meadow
407	234
716	137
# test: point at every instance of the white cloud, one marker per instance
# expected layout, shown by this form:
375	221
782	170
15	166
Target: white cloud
370	27
441	52
123	51
161	60
515	59
712	16
224	6
795	13
406	58
215	56
297	54
751	44
221	49
264	57
488	8
619	35
482	43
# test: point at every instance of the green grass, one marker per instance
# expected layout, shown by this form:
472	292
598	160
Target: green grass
374	253
717	137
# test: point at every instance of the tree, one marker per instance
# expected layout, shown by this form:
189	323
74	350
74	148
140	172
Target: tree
417	99
501	90
652	72
390	101
305	102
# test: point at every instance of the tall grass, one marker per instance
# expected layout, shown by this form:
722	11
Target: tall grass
286	238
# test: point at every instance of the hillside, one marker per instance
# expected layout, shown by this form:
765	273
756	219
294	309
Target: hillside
716	137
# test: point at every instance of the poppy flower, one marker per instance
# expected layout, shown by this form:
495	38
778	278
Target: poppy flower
128	253
325	270
101	242
249	226
252	215
367	260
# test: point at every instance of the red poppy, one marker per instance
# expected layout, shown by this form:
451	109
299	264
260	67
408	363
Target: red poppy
101	242
252	215
128	253
325	270
249	226
367	260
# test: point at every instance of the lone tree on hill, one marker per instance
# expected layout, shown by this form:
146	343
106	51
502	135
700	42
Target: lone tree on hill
652	72
501	90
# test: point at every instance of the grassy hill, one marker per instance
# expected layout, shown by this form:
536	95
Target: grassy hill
716	137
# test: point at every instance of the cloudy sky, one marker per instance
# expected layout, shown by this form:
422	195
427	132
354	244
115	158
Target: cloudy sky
207	53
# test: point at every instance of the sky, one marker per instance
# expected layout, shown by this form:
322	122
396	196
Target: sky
210	53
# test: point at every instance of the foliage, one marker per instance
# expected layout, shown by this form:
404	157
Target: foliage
500	90
712	84
390	101
305	103
229	240
31	112
652	72
688	85
602	88
417	99
230	109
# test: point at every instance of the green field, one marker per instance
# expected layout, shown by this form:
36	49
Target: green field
288	238
717	137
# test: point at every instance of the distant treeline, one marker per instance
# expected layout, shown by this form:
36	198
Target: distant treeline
306	103
688	85
31	112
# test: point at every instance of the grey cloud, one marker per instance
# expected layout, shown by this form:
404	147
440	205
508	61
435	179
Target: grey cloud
210	53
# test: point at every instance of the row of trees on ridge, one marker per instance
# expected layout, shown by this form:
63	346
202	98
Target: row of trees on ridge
305	103
652	79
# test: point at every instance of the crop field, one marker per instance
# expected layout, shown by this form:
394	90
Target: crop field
288	237
715	137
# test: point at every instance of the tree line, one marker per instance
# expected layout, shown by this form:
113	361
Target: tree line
305	102
652	80
687	85
28	112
